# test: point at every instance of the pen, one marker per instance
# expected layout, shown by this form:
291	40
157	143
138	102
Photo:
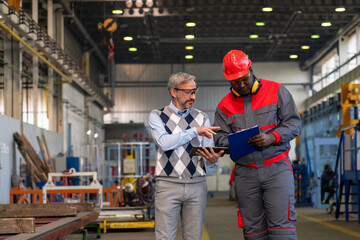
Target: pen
235	124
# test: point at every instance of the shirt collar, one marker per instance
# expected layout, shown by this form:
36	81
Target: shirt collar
175	109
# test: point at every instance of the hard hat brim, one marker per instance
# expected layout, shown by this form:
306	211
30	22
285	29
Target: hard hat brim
235	76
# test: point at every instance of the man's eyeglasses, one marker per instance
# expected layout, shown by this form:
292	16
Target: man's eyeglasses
241	80
188	91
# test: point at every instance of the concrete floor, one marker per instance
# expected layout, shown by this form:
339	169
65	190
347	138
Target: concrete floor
220	223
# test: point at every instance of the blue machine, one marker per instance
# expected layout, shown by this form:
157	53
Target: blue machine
73	162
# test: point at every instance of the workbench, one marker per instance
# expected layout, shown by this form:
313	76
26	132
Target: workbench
55	228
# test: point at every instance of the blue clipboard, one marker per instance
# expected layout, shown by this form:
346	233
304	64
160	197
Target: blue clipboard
238	142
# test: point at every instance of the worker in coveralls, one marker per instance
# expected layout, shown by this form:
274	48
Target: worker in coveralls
181	188
264	179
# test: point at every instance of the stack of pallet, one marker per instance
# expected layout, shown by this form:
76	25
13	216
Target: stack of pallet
38	168
22	218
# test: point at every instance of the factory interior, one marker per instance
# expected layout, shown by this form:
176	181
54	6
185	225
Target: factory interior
79	79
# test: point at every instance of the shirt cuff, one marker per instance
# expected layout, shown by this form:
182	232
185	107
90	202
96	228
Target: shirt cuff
193	132
211	164
277	136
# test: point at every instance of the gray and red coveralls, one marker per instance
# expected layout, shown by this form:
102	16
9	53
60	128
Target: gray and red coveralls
264	179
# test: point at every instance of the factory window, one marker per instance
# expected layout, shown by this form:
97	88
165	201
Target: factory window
43	121
326	71
27	104
352	51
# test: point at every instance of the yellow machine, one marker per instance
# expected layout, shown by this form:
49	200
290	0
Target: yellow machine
136	207
350	104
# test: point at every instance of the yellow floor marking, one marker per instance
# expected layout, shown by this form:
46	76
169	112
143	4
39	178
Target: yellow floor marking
205	235
330	225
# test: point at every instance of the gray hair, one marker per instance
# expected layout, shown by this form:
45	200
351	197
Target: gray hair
178	79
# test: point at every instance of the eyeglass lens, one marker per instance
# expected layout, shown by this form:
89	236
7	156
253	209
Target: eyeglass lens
189	91
241	80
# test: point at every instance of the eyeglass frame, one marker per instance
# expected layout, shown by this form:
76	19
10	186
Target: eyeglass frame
188	91
243	79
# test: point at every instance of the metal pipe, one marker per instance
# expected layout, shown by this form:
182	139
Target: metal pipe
85	34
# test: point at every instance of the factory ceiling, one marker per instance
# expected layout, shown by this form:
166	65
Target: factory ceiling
158	32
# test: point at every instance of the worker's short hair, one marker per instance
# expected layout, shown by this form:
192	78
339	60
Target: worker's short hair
178	79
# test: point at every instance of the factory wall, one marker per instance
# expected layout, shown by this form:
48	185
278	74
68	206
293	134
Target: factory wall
75	110
11	159
70	115
142	87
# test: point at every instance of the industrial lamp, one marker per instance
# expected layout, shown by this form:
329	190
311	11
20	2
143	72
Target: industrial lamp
149	3
139	3
128	3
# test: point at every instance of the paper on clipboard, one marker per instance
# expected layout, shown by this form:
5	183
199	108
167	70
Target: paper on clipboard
238	142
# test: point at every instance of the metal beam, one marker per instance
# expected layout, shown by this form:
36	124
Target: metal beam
319	54
216	40
215	83
85	34
288	25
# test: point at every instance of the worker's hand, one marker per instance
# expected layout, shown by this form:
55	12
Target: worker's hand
210	155
207	131
262	140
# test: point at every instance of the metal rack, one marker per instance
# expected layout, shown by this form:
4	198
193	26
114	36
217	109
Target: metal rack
302	183
116	156
93	187
54	56
348	174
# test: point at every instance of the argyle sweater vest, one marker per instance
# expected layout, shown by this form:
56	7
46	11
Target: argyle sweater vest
178	163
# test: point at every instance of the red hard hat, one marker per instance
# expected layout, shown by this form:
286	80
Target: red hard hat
236	65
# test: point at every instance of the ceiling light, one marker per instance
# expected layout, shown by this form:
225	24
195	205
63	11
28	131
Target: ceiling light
128	38
190	24
128	3
293	56
139	3
189	47
96	135
132	49
149	3
189	36
326	24
260	24
267	9
117	11
254	36
315	36
189	57
340	9
305	47
88	132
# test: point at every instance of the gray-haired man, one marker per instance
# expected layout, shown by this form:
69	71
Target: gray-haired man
181	188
